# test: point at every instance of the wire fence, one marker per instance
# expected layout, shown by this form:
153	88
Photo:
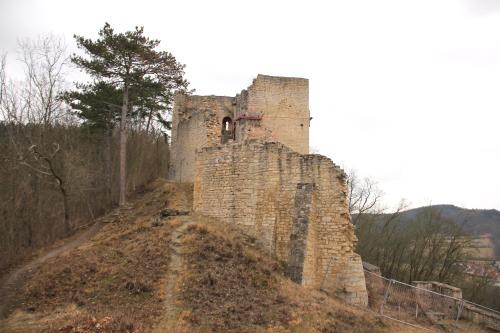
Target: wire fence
423	308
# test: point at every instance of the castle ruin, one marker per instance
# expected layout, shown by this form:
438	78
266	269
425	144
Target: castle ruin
248	159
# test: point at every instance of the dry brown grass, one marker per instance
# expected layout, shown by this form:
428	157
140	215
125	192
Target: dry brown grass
230	285
228	288
112	282
32	206
116	281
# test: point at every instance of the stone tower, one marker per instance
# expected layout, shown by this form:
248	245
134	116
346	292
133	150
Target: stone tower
248	159
272	109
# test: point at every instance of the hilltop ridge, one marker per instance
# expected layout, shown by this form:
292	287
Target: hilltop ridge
477	222
120	280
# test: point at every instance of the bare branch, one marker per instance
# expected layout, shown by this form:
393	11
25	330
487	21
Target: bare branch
34	169
364	196
3	61
45	61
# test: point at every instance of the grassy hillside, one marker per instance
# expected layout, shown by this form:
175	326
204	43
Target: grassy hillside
482	248
111	280
231	285
121	281
482	223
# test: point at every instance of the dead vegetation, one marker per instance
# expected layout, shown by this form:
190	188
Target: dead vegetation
228	288
110	284
229	285
116	281
34	213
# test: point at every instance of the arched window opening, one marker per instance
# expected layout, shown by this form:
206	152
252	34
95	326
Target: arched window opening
226	122
227	129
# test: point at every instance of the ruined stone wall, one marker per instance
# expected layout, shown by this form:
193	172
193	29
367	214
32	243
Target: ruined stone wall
295	205
440	288
480	315
283	103
196	123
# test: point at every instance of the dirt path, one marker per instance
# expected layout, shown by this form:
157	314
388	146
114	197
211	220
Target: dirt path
16	279
12	283
168	321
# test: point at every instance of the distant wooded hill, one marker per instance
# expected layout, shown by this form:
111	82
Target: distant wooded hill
478	222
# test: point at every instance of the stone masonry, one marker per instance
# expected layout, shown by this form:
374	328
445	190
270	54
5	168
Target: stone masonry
247	157
272	108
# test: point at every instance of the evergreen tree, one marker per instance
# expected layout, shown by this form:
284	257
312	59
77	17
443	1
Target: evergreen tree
97	104
130	62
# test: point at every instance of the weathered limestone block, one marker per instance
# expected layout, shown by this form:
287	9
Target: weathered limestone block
243	154
374	285
283	103
300	231
449	305
296	205
196	123
271	109
346	279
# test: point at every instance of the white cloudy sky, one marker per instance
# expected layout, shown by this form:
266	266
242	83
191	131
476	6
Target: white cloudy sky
406	92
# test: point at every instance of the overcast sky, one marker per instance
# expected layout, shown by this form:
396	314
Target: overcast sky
406	92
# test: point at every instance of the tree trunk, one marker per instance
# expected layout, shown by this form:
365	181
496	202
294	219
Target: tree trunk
67	227
62	189
123	147
108	141
149	120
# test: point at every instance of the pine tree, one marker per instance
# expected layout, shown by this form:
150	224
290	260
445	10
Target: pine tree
130	62
97	104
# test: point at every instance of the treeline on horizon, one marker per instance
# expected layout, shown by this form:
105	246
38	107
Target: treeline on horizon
426	246
71	152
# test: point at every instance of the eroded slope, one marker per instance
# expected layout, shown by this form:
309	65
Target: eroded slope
121	281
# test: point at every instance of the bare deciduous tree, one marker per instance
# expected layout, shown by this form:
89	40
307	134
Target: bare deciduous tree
34	101
3	60
45	62
364	196
44	164
34	98
53	168
427	246
424	247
